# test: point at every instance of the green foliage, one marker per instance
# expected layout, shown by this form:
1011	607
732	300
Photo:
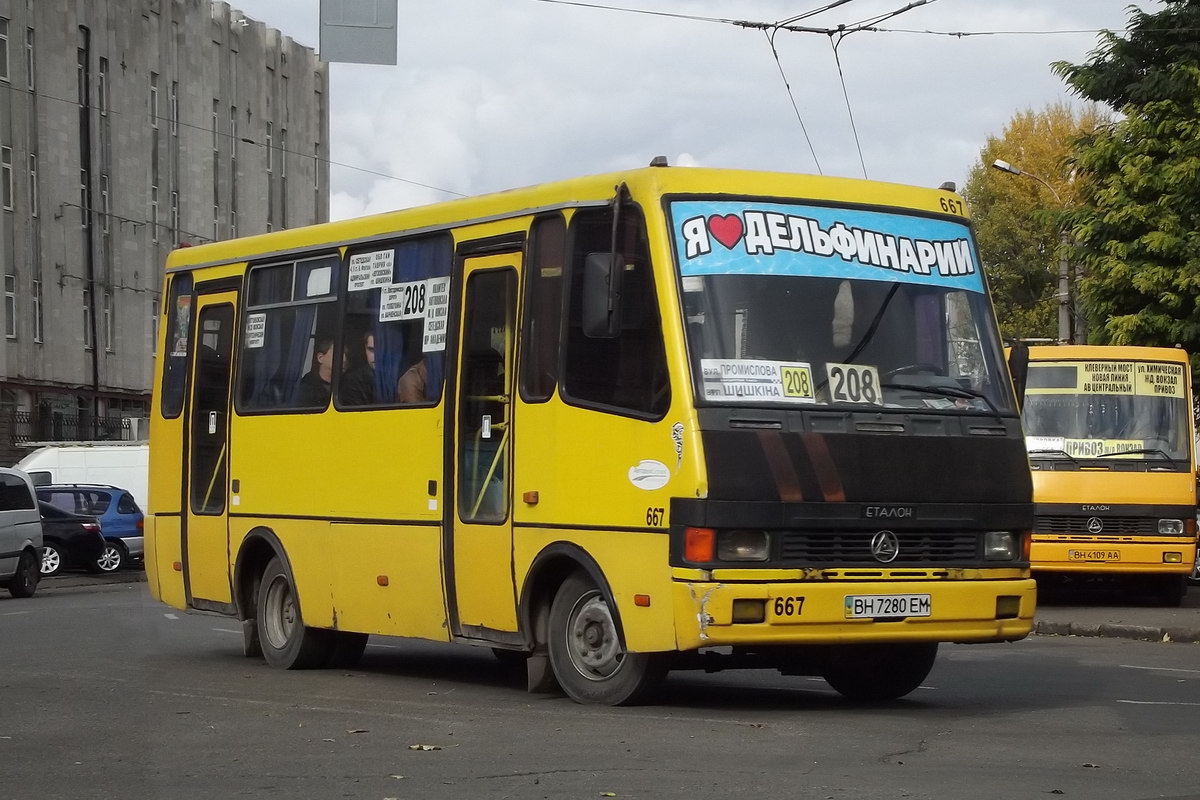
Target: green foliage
1137	228
1017	219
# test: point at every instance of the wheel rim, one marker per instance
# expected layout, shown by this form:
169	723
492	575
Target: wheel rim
51	560
110	559
280	612
592	642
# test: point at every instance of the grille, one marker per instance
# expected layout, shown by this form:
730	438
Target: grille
854	547
1112	525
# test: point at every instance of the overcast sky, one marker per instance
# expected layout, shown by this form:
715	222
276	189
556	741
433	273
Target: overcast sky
494	94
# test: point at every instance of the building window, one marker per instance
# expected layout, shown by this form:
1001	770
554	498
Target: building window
270	147
83	198
3	49
174	217
108	322
81	89
29	56
216	143
153	325
37	311
33	185
87	319
102	86
153	99
317	182
174	107
154	214
6	178
10	306
283	195
105	212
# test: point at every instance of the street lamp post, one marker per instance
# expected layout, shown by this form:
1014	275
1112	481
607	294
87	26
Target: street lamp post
1064	268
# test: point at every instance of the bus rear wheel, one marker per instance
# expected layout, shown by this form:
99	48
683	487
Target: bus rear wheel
874	673
286	641
585	649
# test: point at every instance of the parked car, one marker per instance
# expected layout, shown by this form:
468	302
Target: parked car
20	534
68	540
120	518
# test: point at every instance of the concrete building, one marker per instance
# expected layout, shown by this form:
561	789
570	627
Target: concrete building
127	128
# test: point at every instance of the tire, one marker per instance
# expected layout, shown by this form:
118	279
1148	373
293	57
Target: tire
875	673
287	643
346	649
1194	578
53	559
585	649
24	582
114	557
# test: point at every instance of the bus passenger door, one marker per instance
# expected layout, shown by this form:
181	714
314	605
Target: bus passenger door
206	532
483	594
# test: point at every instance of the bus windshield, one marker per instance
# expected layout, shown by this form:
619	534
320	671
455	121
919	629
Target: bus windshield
1107	409
893	315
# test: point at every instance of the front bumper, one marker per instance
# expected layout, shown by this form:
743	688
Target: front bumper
960	611
1112	557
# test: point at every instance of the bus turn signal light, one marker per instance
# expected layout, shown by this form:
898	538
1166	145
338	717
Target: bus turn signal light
382	580
699	545
641	600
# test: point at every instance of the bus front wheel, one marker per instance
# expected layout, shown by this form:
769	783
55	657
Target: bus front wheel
286	641
585	649
873	673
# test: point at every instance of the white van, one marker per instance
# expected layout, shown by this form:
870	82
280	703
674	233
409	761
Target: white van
20	534
121	464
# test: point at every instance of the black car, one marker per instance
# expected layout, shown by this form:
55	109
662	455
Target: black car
68	540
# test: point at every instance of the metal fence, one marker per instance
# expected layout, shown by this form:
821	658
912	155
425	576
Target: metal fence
55	426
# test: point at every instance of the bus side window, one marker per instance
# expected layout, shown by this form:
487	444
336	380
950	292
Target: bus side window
179	333
290	317
627	372
543	308
394	328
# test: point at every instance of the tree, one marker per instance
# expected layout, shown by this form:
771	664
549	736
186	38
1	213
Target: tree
1138	226
1017	219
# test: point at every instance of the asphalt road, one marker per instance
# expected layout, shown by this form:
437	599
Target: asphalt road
105	693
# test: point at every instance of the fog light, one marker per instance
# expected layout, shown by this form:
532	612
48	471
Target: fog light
1008	607
1172	558
742	546
1000	546
1170	527
749	610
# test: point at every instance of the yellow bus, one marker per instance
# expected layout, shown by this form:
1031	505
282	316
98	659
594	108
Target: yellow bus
615	425
1110	436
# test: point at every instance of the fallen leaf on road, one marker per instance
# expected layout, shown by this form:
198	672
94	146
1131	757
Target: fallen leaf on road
398	777
1092	766
358	730
608	794
328	740
424	747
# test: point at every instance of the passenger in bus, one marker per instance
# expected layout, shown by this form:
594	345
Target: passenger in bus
358	384
410	389
314	387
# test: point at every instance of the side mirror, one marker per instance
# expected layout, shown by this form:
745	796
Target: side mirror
1018	367
602	275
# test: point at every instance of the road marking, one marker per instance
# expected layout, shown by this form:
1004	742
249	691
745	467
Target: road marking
170	616
225	630
1162	669
12	613
1156	703
386	646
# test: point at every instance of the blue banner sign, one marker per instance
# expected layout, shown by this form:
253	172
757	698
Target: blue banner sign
727	237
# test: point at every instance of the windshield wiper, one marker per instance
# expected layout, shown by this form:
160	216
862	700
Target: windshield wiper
961	392
1048	452
1139	451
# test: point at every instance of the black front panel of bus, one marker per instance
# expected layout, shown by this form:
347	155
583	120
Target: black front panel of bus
867	457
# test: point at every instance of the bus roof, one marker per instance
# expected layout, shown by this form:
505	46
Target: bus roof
591	190
1107	352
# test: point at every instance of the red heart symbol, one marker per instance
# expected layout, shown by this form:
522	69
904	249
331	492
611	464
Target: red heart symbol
727	230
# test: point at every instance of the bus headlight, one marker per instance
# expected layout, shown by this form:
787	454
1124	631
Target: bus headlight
1000	546
1170	527
742	546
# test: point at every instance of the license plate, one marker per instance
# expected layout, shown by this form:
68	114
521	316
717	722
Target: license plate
878	606
1093	555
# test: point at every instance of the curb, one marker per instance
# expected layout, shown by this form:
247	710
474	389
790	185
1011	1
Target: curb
1140	633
